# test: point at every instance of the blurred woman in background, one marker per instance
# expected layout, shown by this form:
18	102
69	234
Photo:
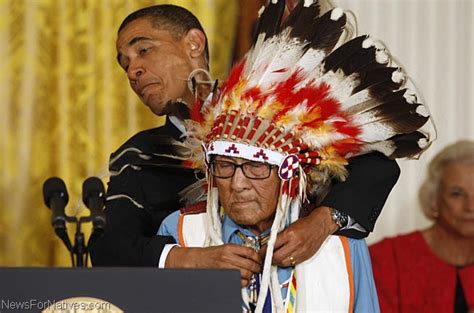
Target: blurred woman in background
433	270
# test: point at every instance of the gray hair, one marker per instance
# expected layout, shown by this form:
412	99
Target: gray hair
461	151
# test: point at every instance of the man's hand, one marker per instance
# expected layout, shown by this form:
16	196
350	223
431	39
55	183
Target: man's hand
232	256
303	238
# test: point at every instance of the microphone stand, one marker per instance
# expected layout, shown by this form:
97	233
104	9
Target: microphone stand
79	249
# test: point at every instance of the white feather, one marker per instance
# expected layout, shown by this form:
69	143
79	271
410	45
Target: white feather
368	42
410	97
352	104
382	57
421	109
398	76
386	147
423	143
310	60
341	85
376	132
278	53
364	118
336	14
343	90
318	140
253	53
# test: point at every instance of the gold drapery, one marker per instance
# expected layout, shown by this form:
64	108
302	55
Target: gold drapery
65	105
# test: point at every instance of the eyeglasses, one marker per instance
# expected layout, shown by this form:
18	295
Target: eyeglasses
252	170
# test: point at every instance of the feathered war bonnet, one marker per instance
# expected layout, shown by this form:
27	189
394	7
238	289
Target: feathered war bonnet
306	98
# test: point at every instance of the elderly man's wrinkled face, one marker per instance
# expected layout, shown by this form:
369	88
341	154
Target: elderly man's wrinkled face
455	199
249	202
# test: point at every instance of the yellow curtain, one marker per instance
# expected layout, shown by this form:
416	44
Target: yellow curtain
65	105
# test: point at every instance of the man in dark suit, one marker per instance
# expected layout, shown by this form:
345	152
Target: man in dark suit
158	47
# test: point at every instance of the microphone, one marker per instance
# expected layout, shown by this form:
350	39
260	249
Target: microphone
93	196
55	197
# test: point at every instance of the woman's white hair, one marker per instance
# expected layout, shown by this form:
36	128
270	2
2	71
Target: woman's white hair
459	152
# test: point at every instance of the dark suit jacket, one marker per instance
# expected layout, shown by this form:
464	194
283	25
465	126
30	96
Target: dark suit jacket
143	195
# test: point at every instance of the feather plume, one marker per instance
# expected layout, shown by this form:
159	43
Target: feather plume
328	29
305	89
269	21
302	20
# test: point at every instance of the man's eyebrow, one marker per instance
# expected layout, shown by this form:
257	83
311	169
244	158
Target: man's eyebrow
137	39
131	43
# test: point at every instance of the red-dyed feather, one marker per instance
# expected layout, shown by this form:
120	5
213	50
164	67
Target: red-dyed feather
346	146
195	112
234	77
253	94
345	128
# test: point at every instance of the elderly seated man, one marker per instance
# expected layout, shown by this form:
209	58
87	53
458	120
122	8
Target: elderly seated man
287	121
248	192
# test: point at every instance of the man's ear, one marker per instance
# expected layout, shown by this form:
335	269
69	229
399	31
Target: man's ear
196	43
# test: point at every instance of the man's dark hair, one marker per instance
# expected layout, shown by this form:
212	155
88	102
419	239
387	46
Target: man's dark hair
177	20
